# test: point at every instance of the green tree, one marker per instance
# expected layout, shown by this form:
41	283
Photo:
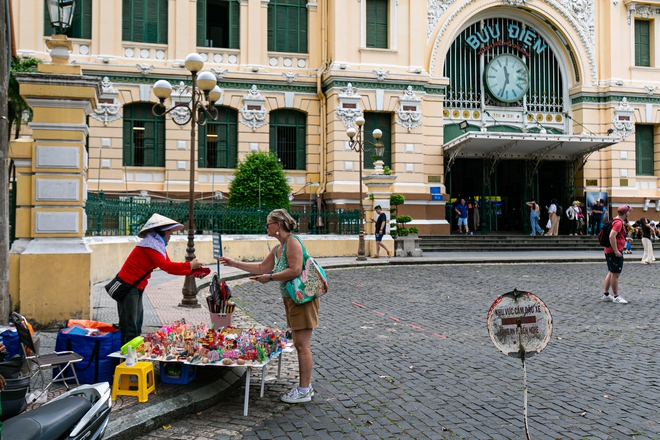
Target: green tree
259	178
17	105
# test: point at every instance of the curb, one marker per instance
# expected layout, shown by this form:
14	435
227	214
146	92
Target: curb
132	422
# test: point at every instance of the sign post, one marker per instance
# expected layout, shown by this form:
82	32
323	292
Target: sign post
520	326
217	250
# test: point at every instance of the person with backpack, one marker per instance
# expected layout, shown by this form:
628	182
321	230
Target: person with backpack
615	231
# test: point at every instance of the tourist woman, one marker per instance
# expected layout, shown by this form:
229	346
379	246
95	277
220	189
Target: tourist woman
283	264
534	213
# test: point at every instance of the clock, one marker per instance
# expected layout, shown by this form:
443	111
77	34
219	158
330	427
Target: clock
506	78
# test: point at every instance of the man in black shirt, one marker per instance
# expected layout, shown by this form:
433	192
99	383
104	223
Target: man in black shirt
381	223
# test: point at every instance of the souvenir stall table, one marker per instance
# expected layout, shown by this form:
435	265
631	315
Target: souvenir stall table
191	346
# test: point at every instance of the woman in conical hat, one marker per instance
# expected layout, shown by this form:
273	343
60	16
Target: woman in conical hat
147	255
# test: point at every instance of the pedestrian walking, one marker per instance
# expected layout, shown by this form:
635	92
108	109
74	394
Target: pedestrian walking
553	218
614	257
648	257
381	223
596	216
580	217
630	232
462	211
572	214
284	263
146	256
534	214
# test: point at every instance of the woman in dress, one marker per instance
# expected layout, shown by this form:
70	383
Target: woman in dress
283	264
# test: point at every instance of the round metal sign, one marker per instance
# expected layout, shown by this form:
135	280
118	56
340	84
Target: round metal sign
519	324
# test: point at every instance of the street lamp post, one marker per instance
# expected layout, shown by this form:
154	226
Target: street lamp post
60	13
357	144
203	93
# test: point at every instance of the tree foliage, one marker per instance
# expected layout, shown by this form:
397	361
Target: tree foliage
17	105
244	189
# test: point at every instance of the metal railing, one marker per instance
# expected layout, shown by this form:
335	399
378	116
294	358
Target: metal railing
111	217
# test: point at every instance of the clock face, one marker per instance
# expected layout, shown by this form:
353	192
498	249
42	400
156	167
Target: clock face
506	78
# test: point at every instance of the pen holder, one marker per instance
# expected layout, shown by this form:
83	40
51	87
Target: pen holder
220	320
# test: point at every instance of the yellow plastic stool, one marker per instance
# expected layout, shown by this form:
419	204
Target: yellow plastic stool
145	381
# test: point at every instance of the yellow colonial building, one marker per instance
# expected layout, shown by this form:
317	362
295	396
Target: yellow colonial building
499	101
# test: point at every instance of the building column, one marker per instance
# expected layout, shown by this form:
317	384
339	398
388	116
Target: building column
49	261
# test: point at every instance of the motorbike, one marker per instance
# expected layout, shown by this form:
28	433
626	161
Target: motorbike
81	413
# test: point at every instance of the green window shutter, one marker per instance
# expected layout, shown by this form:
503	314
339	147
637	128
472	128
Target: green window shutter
302	30
149	144
232	139
281	32
642	43
235	24
162	21
151	17
160	142
271	26
127	155
644	150
201	147
86	22
201	23
377	24
139	18
48	28
301	147
127	20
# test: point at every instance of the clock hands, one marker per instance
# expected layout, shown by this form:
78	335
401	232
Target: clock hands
506	81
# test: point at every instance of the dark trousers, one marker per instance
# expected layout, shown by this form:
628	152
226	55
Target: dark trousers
572	226
131	314
595	225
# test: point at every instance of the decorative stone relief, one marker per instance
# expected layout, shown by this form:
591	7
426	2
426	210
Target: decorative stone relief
650	90
584	13
643	11
145	69
181	93
435	9
253	113
349	106
515	2
290	77
108	107
624	125
408	114
381	74
219	73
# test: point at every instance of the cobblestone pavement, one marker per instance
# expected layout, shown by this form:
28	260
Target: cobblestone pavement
403	352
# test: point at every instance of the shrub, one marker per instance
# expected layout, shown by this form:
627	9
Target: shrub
387	171
403	219
245	189
402	232
413	230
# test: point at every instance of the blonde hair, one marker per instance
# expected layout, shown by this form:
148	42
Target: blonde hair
282	217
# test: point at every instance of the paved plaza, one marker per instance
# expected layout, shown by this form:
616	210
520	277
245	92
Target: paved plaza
404	352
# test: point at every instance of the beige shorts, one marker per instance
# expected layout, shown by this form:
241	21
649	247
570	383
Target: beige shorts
301	317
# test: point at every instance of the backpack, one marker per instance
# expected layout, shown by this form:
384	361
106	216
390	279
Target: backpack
560	210
604	234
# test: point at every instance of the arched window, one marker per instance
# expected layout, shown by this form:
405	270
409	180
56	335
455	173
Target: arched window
144	137
81	25
144	21
372	121
287	26
218	23
218	140
288	138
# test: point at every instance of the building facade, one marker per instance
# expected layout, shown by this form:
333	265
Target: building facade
499	101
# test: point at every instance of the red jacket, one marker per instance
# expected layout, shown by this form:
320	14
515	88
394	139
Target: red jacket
142	259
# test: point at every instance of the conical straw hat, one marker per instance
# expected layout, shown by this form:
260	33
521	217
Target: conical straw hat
158	221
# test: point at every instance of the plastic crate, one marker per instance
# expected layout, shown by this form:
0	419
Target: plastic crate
221	321
176	372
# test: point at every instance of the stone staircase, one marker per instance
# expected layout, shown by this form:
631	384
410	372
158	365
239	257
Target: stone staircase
512	242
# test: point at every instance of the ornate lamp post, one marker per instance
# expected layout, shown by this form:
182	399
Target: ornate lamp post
203	93
357	144
60	13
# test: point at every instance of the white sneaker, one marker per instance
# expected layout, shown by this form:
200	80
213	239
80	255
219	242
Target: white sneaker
295	396
607	298
618	299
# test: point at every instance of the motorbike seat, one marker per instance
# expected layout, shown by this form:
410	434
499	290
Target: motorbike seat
47	422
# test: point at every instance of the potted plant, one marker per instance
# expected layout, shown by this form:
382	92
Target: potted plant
405	245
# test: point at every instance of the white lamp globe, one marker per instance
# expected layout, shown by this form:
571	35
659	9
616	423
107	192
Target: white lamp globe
215	94
206	81
359	121
351	132
194	62
162	89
